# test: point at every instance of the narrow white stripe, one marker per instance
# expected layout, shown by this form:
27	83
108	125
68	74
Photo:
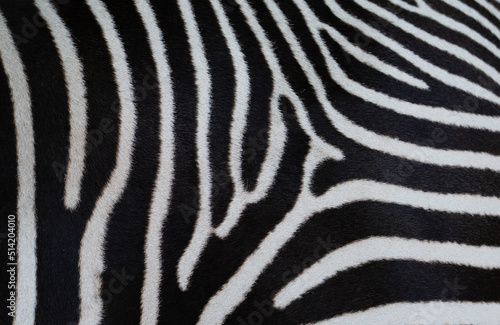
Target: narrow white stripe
277	136
422	313
471	12
150	301
435	114
25	148
73	75
436	42
489	7
203	226
228	297
235	290
369	59
92	245
239	118
456	158
242	96
385	248
436	72
361	190
363	56
427	11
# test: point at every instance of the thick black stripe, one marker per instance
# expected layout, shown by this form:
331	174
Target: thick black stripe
103	110
57	256
223	84
177	307
438	94
332	229
124	253
255	141
60	231
484	12
433	28
385	282
223	258
362	163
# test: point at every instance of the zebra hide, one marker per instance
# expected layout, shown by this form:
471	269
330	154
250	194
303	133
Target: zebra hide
250	162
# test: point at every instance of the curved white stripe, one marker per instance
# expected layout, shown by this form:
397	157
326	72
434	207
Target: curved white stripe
362	190
25	148
436	72
436	42
422	313
219	306
277	135
235	290
269	168
489	7
365	57
435	114
239	118
150	298
242	96
373	249
427	11
203	226
369	59
455	158
471	12
77	101
92	245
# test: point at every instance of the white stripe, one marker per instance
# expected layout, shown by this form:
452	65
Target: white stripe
73	75
373	249
235	290
369	59
363	56
239	118
456	158
203	226
92	245
435	114
422	313
240	113
150	301
277	138
25	148
427	11
471	12
436	42
436	72
277	135
362	190
489	7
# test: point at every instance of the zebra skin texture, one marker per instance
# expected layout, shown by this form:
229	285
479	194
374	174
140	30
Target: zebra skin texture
250	162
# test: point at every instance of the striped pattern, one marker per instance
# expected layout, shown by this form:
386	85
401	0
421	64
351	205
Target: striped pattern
252	162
